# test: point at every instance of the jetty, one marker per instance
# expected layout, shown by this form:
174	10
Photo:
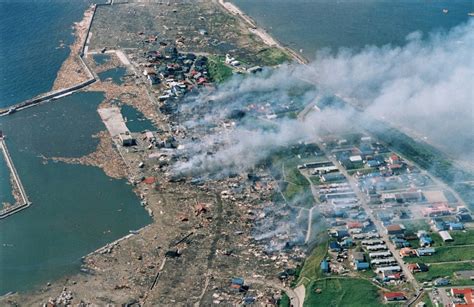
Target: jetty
24	203
53	95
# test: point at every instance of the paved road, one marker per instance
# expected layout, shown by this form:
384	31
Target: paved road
380	229
292	294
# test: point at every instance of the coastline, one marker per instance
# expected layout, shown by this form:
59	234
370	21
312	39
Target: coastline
120	272
70	66
73	71
104	157
268	39
73	64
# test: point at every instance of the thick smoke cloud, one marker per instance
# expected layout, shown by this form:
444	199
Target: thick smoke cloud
424	87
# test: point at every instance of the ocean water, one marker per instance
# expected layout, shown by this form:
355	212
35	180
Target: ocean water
312	25
76	209
31	33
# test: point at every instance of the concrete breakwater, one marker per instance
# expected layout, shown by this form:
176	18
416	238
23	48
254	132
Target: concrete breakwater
52	95
24	203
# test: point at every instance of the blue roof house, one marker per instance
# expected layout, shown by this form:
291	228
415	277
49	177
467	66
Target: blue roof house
334	246
362	265
325	266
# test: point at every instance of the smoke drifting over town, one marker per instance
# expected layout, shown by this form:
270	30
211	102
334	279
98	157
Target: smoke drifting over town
424	88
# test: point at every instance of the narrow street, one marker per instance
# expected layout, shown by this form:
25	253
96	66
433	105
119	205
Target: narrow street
353	183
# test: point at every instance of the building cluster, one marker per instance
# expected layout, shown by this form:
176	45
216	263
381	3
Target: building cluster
395	192
173	73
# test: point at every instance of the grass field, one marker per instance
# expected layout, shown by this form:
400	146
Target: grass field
447	253
273	56
461	237
296	181
298	189
218	71
311	267
464	237
445	270
427	300
342	292
284	301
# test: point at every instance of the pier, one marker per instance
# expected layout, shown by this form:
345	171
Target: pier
24	203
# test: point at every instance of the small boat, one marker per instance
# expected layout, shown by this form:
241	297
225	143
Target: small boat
445	11
471	14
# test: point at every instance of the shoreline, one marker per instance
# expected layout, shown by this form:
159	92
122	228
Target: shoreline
142	234
72	60
92	261
267	38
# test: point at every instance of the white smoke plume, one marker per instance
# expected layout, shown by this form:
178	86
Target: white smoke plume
425	87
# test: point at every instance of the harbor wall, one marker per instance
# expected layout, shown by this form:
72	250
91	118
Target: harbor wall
54	94
25	202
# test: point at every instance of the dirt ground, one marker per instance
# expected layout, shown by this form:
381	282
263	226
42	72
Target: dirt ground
201	235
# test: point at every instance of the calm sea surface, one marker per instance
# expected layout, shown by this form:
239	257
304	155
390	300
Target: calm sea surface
70	215
48	239
314	24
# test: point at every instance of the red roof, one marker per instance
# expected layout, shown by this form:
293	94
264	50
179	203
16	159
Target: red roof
396	276
466	293
351	225
394	227
392	295
413	267
149	180
394	166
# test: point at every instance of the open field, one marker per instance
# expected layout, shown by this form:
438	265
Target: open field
461	238
427	301
295	187
273	56
284	301
342	292
447	254
446	270
218	71
311	269
297	184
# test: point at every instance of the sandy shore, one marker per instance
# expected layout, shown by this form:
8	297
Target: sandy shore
260	32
